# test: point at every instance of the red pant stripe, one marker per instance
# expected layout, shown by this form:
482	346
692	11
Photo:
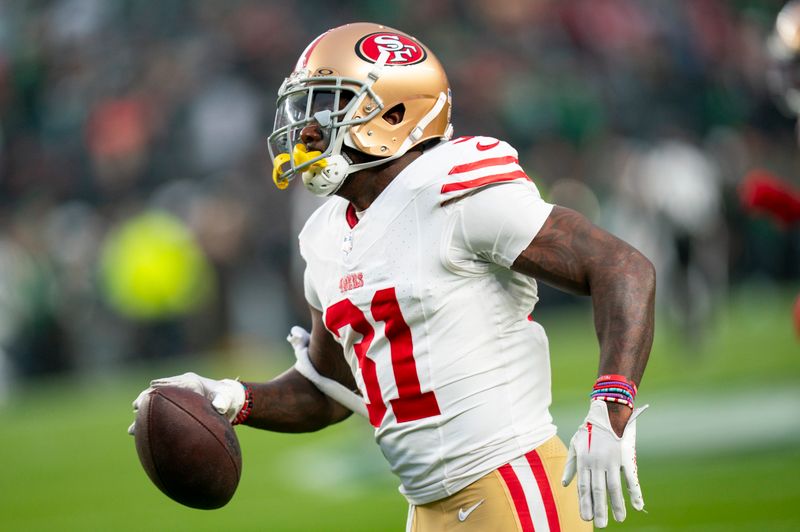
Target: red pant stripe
549	501
518	496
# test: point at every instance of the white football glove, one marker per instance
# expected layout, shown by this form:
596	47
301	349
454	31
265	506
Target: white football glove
299	339
226	396
598	455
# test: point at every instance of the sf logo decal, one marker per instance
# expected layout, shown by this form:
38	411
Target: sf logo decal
402	50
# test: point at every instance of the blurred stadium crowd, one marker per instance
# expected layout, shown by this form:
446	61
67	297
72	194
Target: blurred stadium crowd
137	219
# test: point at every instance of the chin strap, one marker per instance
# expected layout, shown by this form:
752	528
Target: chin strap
419	130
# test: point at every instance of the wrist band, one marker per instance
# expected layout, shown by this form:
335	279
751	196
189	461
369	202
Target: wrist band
614	389
613	400
623	391
247	407
618	380
601	393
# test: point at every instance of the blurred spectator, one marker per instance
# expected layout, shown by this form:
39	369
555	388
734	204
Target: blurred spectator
225	124
32	334
680	190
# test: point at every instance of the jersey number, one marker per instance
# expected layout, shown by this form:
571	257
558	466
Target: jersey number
412	403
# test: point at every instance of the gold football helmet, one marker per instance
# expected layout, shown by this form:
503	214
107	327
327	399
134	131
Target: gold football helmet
346	81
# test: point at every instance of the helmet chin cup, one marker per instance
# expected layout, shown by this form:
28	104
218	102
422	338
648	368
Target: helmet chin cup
325	181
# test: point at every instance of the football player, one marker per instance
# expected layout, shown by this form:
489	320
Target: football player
420	277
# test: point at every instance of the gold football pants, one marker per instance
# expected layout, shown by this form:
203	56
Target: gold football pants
524	495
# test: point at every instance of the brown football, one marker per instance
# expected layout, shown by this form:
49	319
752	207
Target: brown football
187	448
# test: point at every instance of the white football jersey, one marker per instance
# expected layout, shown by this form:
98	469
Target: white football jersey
434	324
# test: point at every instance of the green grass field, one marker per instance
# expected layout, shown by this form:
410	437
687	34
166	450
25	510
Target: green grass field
68	463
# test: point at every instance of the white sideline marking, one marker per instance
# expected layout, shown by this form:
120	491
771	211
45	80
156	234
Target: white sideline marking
714	422
709	423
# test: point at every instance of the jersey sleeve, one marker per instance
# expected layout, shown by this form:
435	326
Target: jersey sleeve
311	294
498	222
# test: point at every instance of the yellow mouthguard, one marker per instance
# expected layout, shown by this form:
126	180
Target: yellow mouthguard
300	156
277	175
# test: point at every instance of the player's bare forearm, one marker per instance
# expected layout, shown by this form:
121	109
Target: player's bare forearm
572	254
291	403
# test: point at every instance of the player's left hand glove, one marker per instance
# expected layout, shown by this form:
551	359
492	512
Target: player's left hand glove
598	455
227	396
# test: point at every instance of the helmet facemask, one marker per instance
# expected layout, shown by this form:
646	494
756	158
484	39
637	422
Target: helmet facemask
331	102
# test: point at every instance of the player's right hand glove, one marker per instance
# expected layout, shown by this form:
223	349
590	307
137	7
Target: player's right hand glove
598	455
227	396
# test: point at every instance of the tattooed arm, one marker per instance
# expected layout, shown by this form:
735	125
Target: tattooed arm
572	254
290	403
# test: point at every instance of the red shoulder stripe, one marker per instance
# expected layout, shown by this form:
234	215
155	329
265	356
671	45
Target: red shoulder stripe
479	182
483	163
459	140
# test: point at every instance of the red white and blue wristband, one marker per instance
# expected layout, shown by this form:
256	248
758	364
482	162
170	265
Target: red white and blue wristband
614	389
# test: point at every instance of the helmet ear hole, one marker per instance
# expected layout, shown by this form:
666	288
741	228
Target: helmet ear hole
395	115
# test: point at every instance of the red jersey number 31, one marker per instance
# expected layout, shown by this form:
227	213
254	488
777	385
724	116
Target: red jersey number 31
412	403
